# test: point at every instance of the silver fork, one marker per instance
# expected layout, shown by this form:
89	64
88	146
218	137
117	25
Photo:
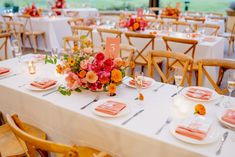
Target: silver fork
168	121
95	100
155	90
223	139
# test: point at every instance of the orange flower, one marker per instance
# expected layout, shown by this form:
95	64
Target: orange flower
75	48
71	62
124	63
132	65
82	74
112	88
116	75
141	97
200	109
131	28
59	69
136	26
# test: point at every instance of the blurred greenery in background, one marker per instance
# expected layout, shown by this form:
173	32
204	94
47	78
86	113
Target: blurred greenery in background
195	5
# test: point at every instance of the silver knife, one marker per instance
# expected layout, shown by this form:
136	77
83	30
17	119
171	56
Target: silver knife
1	78
177	92
223	139
136	114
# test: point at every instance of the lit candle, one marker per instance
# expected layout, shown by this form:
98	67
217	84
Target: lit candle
31	67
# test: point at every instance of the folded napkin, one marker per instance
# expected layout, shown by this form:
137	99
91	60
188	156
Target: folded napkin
196	128
43	84
145	83
110	107
4	70
229	116
199	93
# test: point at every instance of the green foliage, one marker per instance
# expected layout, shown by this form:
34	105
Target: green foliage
50	59
64	91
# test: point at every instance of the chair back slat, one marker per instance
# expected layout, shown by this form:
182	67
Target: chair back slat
155	24
170	57
223	66
76	22
82	30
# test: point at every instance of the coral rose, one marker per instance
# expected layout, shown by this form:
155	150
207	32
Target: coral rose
116	75
84	64
91	77
72	81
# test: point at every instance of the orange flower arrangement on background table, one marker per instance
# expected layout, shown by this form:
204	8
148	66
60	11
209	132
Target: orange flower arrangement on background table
85	70
32	11
170	11
59	4
134	24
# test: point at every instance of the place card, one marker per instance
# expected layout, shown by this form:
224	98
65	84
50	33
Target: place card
140	12
112	48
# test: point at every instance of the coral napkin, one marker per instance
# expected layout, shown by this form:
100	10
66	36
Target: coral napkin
111	107
4	70
145	83
43	84
199	93
196	128
229	116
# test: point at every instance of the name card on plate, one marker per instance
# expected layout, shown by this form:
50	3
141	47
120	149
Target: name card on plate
112	48
140	12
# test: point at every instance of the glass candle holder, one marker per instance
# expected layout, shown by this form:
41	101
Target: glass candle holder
31	67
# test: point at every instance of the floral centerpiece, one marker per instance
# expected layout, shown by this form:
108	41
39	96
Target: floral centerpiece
172	11
59	4
86	70
134	24
32	11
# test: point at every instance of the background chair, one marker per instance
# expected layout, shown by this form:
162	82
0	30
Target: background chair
155	24
183	60
210	29
4	44
175	45
76	22
33	143
180	26
80	31
195	19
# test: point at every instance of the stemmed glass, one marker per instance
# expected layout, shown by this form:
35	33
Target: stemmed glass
231	87
17	49
139	78
178	75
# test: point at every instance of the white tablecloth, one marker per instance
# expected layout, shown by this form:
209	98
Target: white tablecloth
61	117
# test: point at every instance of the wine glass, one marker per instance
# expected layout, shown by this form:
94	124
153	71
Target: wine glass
16	49
139	78
178	75
230	86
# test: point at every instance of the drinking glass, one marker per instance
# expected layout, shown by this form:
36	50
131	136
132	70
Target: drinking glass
231	87
17	49
178	75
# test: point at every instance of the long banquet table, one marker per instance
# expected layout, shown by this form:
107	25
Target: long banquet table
61	118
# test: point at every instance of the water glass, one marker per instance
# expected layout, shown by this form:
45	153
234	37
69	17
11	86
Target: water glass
178	75
231	87
17	49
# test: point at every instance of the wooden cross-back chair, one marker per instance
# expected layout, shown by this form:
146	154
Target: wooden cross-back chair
171	18
7	18
82	30
71	13
172	58
10	145
190	50
29	32
76	21
1	27
195	19
70	42
212	27
177	25
155	24
223	66
215	15
230	36
33	143
140	57
4	44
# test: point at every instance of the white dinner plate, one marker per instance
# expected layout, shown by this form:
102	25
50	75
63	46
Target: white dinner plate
212	136
32	57
32	88
5	74
123	112
127	80
219	116
213	97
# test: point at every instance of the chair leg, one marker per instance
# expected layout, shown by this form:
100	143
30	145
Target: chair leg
233	46
221	76
229	45
1	119
196	76
44	40
34	43
28	37
142	69
42	153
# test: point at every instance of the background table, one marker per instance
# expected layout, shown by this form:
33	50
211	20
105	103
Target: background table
61	117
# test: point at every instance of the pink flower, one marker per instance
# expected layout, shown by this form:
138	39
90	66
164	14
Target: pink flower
99	56
72	81
84	64
91	77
